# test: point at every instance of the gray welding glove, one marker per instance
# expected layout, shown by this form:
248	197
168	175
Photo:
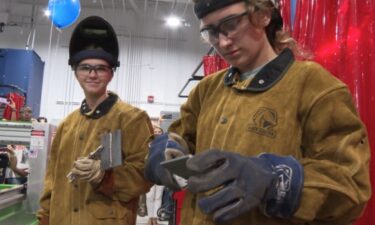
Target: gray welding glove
165	147
268	182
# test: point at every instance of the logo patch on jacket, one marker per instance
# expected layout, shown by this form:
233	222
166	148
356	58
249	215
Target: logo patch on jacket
263	122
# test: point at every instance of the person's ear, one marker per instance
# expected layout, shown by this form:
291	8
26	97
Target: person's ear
262	18
112	74
74	71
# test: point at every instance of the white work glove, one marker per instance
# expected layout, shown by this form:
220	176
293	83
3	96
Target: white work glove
88	170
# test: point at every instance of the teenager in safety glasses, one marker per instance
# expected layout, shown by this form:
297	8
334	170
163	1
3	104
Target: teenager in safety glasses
275	141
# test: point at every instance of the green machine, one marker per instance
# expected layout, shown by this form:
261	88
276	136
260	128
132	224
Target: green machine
12	209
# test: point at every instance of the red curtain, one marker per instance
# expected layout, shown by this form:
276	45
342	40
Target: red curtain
213	63
341	36
285	6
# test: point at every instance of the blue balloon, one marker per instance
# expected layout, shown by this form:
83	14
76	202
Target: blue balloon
64	12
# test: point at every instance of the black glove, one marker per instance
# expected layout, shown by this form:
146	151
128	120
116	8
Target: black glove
166	146
271	182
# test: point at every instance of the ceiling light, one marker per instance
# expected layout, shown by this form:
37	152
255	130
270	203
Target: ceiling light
173	21
47	13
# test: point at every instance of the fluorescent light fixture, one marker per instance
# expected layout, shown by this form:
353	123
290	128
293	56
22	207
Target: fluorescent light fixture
173	21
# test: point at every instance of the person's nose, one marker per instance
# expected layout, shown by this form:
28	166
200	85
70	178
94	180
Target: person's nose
224	41
93	73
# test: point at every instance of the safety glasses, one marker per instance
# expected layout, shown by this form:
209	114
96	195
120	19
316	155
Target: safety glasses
100	70
227	27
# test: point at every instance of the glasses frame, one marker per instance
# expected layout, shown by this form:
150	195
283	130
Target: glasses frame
213	36
90	68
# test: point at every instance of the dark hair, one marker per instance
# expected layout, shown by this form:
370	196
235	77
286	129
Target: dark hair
39	119
157	127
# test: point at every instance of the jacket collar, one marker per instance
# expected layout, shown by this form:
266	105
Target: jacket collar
267	77
101	109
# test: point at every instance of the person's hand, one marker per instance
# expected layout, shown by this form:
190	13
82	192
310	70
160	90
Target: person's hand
235	184
165	147
12	104
88	170
23	172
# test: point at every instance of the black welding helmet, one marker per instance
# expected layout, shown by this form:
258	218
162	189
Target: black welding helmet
95	38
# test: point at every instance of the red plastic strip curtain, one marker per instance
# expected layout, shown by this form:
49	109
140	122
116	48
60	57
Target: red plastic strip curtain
213	63
285	6
341	36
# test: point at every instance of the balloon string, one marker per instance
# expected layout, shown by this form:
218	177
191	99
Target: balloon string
48	71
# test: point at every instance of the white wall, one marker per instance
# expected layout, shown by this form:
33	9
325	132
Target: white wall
153	59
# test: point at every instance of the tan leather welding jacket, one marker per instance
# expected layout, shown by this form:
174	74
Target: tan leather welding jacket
289	108
115	201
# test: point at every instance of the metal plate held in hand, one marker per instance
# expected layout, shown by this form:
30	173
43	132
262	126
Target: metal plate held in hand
111	155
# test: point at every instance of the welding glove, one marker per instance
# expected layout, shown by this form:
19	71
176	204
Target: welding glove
240	184
88	170
165	147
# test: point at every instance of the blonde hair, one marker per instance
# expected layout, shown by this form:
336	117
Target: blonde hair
285	40
277	36
26	108
275	25
157	126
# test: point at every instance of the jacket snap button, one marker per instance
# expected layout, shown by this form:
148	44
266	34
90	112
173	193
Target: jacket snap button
223	120
75	210
81	137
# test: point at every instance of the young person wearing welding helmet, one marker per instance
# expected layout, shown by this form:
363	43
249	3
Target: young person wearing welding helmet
90	195
275	140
